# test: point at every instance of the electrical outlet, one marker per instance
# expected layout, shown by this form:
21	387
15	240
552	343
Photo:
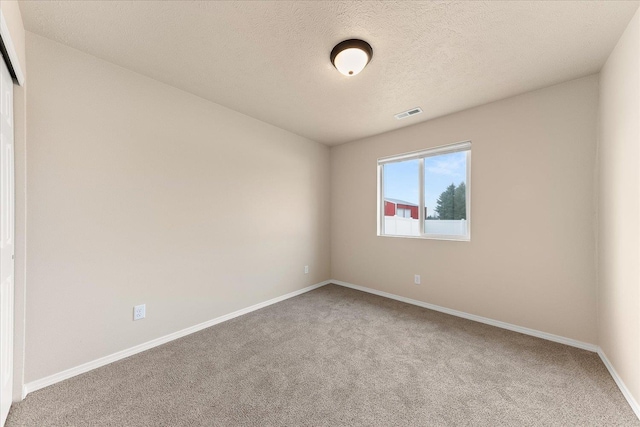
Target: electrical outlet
306	269
416	279
139	311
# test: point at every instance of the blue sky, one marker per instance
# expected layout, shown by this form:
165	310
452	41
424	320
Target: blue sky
401	178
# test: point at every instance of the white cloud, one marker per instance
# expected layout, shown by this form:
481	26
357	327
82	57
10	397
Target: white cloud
446	165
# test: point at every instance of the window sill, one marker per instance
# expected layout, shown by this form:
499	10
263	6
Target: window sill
430	237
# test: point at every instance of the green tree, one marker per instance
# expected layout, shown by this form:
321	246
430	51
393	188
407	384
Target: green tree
460	202
445	203
452	203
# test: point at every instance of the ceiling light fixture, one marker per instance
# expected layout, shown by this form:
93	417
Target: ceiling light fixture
351	56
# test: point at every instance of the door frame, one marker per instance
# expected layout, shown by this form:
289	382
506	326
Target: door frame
10	57
9	52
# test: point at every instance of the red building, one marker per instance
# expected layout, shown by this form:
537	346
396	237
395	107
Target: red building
401	208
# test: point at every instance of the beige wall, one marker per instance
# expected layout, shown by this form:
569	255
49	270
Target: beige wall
531	259
619	208
142	193
13	17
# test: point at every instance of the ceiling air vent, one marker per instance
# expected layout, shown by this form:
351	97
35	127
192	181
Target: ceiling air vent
408	113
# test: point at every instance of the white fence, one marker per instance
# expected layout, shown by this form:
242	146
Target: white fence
399	226
411	227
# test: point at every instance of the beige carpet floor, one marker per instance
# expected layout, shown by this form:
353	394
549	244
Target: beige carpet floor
339	357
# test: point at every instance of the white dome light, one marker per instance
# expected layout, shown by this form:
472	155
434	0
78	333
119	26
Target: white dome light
351	56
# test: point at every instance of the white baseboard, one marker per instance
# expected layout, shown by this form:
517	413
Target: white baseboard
486	320
86	367
527	331
621	385
52	379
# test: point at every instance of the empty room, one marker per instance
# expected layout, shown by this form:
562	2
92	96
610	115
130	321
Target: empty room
319	213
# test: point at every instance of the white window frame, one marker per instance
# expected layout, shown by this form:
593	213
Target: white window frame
421	155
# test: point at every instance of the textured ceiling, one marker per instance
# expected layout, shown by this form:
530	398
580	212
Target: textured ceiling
270	59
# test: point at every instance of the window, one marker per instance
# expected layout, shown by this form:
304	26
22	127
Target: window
426	193
403	213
